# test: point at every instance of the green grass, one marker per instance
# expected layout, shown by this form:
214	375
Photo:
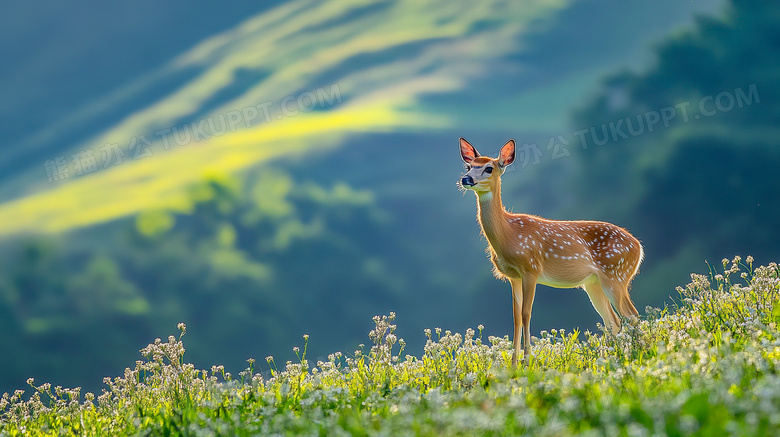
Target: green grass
707	366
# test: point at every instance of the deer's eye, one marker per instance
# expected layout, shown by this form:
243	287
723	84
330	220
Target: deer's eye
488	170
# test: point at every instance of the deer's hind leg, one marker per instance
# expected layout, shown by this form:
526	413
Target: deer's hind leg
617	292
602	304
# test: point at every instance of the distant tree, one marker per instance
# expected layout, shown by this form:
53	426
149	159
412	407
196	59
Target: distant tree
706	173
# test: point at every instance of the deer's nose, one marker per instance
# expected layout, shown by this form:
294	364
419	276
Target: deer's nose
467	181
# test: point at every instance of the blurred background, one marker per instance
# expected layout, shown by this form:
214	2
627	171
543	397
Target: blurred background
261	171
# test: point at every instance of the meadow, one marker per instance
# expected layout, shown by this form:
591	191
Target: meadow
705	365
293	134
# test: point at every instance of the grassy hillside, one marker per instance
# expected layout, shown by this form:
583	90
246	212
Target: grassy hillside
706	367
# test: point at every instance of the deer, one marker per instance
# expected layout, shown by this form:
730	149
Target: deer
527	250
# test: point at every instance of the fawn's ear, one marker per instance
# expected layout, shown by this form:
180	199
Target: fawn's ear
467	151
507	154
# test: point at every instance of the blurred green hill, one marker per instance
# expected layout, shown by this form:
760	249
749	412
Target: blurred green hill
294	171
701	183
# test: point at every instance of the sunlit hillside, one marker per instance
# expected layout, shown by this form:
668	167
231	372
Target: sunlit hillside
350	67
302	76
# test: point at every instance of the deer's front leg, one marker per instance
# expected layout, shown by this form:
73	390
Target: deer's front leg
517	312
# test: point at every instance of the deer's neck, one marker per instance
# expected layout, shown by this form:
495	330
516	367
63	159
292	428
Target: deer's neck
492	217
